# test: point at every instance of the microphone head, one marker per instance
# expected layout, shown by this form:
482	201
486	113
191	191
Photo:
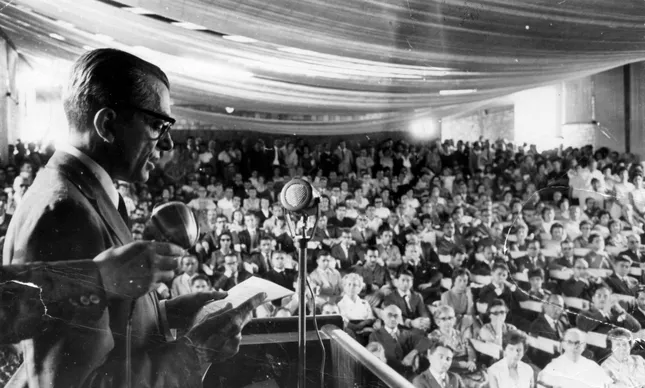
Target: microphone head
297	195
173	222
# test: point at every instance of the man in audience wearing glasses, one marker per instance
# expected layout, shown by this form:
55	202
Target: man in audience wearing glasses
572	369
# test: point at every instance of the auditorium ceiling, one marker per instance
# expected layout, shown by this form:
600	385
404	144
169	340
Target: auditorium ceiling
333	66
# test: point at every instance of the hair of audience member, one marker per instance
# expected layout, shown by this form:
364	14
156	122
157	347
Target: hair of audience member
496	303
584	223
108	78
404	271
200	277
499	265
536	272
456	250
461	272
442	309
436	344
619	333
352	277
554	226
328	304
515	337
600	286
594	236
226	234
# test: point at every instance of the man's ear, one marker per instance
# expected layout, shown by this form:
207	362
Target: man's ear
104	124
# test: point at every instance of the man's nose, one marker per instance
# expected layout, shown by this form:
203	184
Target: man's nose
166	143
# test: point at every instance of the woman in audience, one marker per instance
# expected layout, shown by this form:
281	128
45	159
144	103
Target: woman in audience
237	222
627	371
616	238
459	297
495	330
225	242
464	361
356	312
510	371
602	226
623	187
582	241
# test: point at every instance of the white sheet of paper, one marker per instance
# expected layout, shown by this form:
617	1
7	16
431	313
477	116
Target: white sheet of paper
244	291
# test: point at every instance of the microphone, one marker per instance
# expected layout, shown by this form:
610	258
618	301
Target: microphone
173	222
299	197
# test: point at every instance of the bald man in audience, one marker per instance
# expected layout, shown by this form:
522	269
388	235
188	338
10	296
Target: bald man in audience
572	369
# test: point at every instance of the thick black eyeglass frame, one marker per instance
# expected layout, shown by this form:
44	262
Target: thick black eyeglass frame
168	121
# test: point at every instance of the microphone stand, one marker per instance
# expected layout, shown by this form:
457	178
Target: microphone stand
302	290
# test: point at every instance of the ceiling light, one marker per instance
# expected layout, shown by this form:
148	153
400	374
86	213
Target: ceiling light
456	92
139	10
239	39
229	110
189	26
65	24
56	36
103	38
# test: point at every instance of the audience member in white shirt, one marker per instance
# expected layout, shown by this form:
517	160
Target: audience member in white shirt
571	369
181	284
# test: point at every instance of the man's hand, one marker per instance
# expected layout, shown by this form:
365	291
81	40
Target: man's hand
218	336
420	323
182	309
133	270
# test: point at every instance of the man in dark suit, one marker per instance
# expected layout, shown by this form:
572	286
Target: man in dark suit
326	234
249	238
551	324
340	220
438	375
118	111
278	273
638	309
620	282
633	249
397	342
448	240
500	288
604	316
363	235
580	285
346	252
532	260
261	260
233	274
415	313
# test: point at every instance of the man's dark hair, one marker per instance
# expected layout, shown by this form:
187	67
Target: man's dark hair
200	277
108	78
439	344
514	337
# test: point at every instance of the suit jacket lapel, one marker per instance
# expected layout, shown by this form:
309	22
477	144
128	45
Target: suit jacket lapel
81	176
433	382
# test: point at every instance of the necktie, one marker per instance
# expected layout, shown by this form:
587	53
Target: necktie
558	328
445	381
395	336
123	211
407	301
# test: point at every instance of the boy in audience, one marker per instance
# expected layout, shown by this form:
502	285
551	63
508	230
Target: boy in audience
440	356
536	280
326	280
501	288
620	282
415	313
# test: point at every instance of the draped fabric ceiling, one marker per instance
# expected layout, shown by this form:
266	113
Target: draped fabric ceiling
376	64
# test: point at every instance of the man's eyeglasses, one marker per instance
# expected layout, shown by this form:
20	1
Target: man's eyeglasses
163	128
502	312
574	343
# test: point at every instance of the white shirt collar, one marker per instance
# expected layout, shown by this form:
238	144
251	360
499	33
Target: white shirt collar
550	320
99	172
391	331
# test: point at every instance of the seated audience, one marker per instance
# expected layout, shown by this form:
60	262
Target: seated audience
459	297
356	312
325	280
181	284
551	324
415	313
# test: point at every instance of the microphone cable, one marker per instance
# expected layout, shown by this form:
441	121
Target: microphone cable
320	341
